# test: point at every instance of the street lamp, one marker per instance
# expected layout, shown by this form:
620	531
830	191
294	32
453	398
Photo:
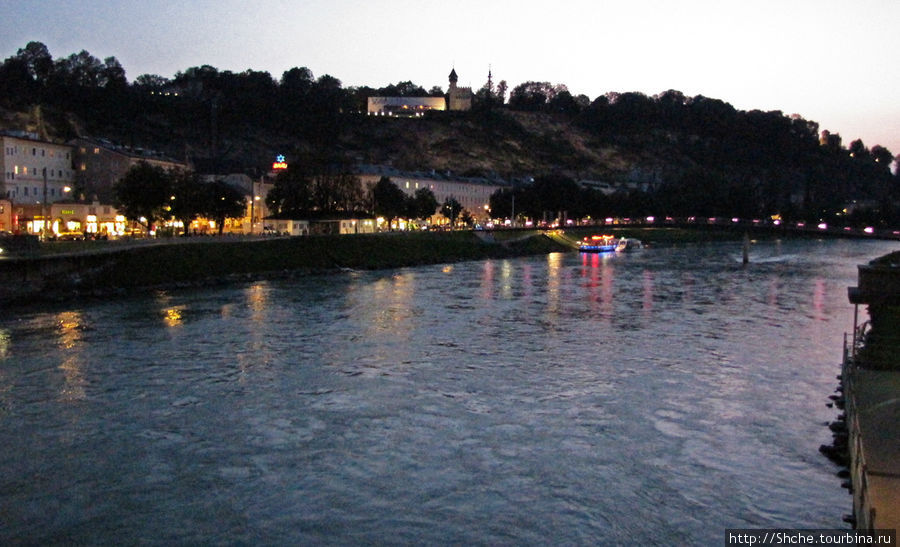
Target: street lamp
44	208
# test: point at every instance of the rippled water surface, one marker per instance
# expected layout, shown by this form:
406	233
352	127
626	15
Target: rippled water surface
656	397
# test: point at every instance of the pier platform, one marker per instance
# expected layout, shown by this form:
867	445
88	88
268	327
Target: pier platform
871	383
873	421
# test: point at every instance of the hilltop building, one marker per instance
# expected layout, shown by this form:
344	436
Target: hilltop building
458	99
404	106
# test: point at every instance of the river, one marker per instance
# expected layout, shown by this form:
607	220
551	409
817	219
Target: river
661	396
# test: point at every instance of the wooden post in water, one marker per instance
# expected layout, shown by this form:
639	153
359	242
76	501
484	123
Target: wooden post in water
746	248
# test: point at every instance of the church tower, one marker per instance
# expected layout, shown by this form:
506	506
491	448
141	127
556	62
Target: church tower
459	98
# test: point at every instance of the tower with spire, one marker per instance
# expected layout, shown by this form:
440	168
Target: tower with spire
458	98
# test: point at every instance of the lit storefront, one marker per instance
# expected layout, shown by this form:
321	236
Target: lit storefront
71	220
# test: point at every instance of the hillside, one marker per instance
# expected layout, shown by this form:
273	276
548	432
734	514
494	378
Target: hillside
507	143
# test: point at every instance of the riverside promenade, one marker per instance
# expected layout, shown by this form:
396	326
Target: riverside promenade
871	383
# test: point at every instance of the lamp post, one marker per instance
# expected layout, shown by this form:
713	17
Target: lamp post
44	209
252	203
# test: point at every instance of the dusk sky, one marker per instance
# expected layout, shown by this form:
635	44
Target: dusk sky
830	61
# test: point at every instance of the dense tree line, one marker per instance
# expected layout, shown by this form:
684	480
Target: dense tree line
147	194
711	158
717	160
324	190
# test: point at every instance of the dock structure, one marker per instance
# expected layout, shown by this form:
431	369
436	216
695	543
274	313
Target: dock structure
871	385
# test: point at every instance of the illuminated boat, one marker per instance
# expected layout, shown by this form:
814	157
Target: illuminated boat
597	244
628	244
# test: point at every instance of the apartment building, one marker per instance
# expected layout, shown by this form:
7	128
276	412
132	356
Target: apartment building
35	171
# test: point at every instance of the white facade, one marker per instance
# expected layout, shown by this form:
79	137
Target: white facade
287	227
473	195
404	106
35	171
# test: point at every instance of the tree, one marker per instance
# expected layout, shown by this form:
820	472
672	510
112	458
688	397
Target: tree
882	157
297	80
423	203
501	91
530	95
17	88
223	202
390	201
502	202
187	199
153	82
112	74
80	70
291	194
38	61
143	193
858	150
337	190
451	209
467	218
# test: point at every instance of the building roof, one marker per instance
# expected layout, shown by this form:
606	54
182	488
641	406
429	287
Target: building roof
136	152
447	176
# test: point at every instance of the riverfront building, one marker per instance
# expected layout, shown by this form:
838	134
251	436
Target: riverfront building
99	164
71	218
35	171
472	193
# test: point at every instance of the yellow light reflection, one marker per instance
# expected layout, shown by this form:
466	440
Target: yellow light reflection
70	328
391	299
4	343
554	283
173	317
258	298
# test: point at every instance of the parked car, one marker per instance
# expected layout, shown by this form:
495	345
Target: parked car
70	236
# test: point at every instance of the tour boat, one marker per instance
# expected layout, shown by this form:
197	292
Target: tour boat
628	244
597	244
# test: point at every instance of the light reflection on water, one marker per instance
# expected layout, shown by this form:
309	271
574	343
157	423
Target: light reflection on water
659	396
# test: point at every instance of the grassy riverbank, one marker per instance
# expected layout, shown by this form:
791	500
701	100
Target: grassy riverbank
61	269
367	252
100	270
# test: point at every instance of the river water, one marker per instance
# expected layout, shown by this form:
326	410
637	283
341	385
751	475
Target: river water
661	396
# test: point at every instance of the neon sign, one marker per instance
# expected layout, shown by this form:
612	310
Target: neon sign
279	162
